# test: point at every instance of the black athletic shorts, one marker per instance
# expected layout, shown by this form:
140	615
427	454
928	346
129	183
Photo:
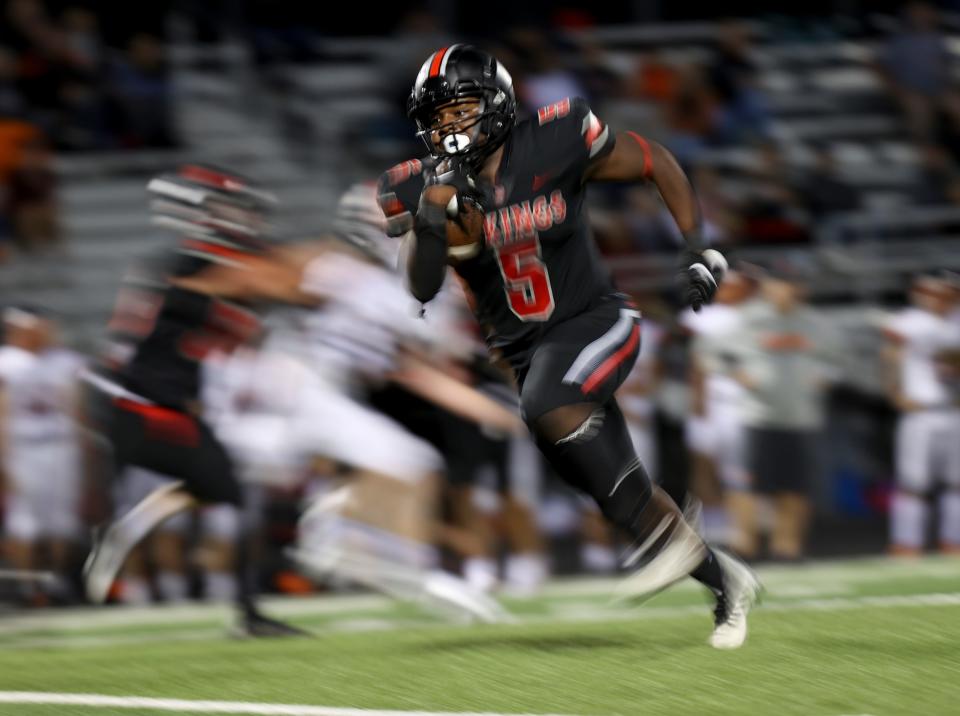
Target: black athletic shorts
175	444
581	360
782	460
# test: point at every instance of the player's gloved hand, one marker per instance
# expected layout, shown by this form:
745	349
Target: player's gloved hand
700	274
471	190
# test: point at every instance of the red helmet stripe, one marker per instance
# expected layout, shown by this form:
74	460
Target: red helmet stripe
210	177
437	61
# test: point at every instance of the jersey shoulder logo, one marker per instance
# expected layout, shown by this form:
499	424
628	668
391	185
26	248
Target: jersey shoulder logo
553	111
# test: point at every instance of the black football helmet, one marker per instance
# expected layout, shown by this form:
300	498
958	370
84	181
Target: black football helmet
210	201
463	72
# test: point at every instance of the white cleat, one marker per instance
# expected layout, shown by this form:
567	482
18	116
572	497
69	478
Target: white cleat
111	546
680	556
454	594
101	567
730	616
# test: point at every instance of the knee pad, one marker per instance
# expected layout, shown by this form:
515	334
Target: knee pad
598	457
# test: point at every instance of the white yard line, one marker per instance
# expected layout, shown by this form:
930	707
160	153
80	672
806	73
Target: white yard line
213	707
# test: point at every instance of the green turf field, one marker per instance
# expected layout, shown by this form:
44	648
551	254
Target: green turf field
868	637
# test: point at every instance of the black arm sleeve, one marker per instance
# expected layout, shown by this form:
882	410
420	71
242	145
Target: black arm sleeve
427	265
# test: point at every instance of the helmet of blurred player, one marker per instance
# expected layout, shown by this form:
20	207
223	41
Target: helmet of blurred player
207	201
463	74
30	327
360	222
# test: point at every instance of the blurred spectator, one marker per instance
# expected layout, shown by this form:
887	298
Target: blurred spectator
279	33
654	79
11	102
14	135
916	65
772	210
691	114
948	124
649	226
31	201
418	35
733	76
6	239
821	191
80	123
937	174
546	80
784	358
600	83
141	94
81	38
722	224
30	34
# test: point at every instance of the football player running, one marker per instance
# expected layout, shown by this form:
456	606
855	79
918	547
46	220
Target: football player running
145	397
543	297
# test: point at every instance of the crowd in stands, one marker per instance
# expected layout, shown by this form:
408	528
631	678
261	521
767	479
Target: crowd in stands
65	88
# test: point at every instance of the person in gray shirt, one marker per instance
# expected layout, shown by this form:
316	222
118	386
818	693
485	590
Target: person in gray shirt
786	356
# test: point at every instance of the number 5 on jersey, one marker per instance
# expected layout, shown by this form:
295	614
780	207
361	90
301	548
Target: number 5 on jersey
526	281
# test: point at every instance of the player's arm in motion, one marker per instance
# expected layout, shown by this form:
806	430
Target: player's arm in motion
274	276
635	159
426	250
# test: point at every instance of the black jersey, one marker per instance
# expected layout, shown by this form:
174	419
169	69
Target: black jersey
539	265
160	333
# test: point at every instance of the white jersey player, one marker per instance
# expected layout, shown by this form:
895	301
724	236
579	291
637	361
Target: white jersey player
39	445
923	387
365	330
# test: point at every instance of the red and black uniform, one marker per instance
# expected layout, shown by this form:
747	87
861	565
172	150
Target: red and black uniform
541	291
158	336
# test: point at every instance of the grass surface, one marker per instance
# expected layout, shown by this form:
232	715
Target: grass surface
875	637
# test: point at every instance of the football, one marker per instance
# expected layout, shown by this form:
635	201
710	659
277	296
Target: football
464	222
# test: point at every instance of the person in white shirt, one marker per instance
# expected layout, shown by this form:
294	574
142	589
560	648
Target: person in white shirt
715	430
39	446
927	443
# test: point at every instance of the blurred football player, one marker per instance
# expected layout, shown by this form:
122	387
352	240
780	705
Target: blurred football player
924	390
542	294
39	448
164	325
356	328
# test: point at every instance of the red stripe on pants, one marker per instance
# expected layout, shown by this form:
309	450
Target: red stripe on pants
611	363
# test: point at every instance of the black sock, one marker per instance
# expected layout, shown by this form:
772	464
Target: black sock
244	572
709	573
